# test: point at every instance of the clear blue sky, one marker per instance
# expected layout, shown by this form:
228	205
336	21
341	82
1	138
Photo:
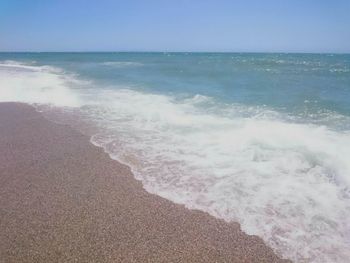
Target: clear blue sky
175	25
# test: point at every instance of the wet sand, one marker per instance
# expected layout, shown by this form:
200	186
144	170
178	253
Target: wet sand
64	200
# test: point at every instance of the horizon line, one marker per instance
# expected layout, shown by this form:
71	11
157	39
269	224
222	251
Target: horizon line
160	51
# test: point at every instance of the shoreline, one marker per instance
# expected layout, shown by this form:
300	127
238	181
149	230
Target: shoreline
64	199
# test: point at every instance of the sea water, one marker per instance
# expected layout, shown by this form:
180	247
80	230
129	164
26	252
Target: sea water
261	139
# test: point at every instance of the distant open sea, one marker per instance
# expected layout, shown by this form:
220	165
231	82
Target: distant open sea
261	139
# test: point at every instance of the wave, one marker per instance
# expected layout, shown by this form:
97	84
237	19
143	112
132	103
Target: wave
121	64
26	82
284	181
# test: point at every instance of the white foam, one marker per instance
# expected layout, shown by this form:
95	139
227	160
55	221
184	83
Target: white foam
284	181
23	82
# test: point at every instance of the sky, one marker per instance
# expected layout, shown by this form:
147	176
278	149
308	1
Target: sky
318	26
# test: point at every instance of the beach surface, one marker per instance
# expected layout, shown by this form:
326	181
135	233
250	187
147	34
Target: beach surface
64	200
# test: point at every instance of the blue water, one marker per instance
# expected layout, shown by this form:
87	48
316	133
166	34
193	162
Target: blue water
282	81
262	139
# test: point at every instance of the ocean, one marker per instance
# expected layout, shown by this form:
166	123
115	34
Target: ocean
261	139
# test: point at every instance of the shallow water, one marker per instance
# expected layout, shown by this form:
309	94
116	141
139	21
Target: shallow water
262	139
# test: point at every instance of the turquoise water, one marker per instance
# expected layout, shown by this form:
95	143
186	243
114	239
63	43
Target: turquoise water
283	81
262	139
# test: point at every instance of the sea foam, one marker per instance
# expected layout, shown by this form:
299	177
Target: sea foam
286	182
25	82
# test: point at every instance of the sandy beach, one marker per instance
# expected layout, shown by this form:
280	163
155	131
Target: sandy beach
64	200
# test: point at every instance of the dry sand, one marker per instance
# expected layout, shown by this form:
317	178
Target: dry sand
64	200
